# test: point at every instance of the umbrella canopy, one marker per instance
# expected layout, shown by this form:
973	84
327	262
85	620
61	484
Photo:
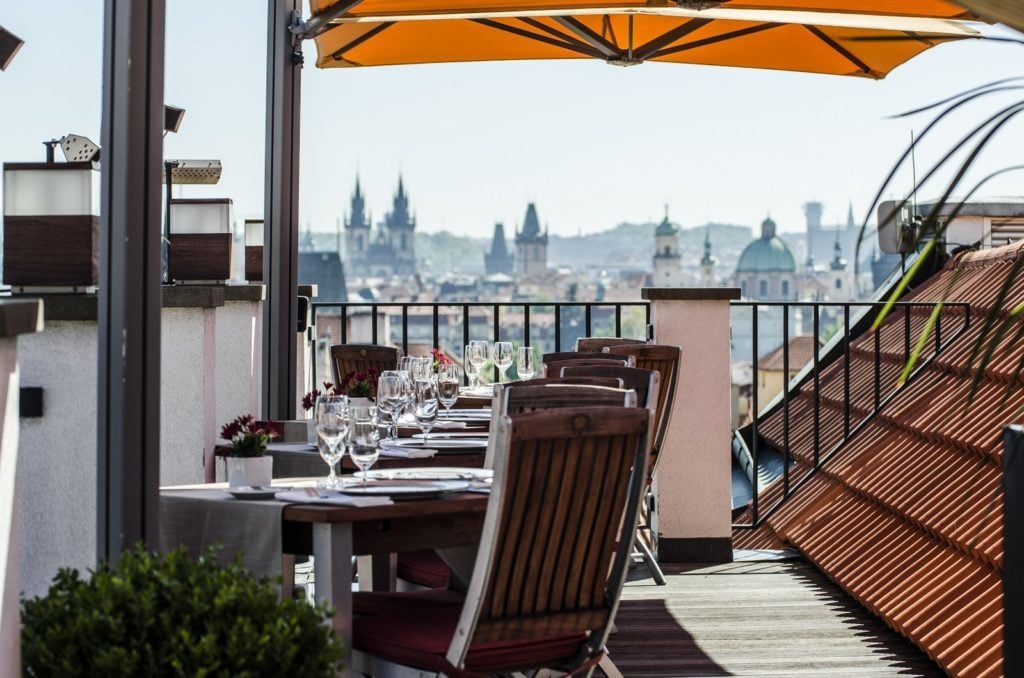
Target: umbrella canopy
866	38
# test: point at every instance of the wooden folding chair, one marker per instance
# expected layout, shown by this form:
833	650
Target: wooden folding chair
553	555
561	356
597	344
665	361
347	358
554	368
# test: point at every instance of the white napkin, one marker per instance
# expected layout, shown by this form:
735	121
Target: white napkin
329	497
403	452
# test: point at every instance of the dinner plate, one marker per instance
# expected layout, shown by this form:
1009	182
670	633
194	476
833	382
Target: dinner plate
405	489
451	435
440	443
254	492
429	473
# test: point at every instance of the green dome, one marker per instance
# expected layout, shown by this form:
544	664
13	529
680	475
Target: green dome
665	228
767	254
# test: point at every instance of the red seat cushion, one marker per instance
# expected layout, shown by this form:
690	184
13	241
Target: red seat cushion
421	638
424	568
371	603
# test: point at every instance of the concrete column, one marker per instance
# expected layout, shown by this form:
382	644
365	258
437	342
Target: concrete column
694	473
16	318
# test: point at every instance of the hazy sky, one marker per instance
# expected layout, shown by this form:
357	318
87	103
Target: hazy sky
592	145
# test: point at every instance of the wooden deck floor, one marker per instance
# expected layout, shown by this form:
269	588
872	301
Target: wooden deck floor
780	618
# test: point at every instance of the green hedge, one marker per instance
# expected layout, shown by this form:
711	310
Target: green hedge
153	615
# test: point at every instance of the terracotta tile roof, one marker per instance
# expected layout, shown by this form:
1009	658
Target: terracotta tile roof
801	352
907	514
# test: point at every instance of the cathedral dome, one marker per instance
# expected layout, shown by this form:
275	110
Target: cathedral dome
767	254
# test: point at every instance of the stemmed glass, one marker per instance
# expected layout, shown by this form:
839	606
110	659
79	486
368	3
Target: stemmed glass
471	370
331	428
391	397
448	386
425	406
479	353
526	364
502	358
365	438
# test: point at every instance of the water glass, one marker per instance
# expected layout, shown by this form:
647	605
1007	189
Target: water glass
364	437
332	426
425	406
448	380
502	358
526	364
479	354
471	370
391	397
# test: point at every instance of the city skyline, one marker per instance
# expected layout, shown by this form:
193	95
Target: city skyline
591	146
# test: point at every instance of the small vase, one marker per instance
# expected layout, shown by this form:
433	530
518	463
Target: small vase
245	471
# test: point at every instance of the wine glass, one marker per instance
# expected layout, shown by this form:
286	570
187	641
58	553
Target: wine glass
479	353
331	429
526	364
391	390
422	368
365	438
448	386
471	370
502	358
425	406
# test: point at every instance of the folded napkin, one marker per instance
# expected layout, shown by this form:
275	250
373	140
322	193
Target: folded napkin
447	425
329	497
403	452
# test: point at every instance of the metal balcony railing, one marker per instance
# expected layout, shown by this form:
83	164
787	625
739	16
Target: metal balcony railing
551	326
869	363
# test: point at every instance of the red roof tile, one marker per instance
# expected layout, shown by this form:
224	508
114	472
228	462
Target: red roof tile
801	352
907	515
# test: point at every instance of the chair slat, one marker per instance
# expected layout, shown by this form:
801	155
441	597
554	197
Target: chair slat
347	358
597	344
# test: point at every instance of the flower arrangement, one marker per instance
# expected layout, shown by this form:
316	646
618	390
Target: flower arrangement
248	437
354	384
439	358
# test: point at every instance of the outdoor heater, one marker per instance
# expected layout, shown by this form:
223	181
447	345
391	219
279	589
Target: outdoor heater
199	244
254	250
51	220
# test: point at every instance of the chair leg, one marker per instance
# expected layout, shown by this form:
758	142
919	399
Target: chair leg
650	562
608	666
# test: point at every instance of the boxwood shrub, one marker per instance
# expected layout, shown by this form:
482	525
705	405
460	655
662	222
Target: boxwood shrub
171	615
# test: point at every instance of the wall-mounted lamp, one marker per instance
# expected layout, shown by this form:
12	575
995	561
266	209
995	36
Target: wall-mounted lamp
172	118
254	250
9	46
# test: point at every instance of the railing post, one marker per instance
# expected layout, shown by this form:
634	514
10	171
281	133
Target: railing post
1013	545
694	473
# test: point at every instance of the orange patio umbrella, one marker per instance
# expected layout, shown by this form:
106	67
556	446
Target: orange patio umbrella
865	38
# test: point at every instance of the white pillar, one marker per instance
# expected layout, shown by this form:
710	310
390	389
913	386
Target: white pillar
694	473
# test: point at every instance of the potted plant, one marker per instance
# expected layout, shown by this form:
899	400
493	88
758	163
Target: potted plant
171	615
247	443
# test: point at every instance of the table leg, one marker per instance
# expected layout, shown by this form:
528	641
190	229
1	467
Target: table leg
332	571
287	576
378	572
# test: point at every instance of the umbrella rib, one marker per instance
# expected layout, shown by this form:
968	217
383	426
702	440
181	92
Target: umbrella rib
715	39
321	23
845	53
667	38
578	28
579	49
336	55
530	21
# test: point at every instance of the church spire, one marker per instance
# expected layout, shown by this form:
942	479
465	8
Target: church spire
838	263
707	259
357	214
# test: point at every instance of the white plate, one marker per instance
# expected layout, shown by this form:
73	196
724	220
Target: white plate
400	489
478	392
440	443
254	492
429	473
451	435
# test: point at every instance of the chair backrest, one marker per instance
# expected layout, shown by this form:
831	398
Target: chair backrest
597	344
561	356
519	397
347	358
644	382
585	380
559	529
555	367
665	361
